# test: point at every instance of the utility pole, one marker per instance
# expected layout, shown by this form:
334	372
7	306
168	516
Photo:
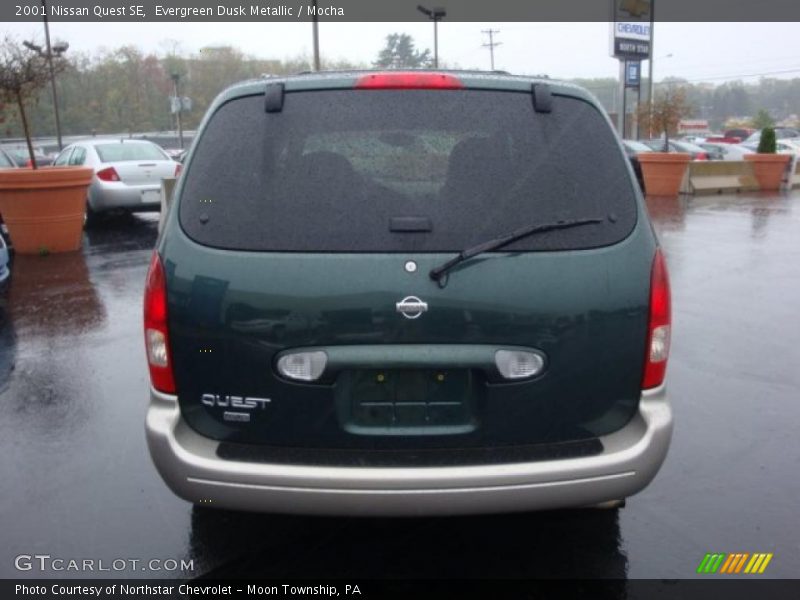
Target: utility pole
179	101
492	43
650	71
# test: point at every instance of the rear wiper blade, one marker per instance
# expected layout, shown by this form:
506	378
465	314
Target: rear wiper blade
438	274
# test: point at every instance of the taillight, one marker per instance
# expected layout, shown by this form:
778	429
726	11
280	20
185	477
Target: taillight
156	336
29	163
178	169
701	156
108	174
658	329
409	81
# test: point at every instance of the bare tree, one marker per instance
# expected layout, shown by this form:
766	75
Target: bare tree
23	72
669	107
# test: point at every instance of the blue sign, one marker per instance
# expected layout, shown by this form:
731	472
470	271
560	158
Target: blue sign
633	73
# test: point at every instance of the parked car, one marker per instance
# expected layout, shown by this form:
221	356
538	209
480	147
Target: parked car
741	133
181	156
175	153
6	162
633	148
21	157
721	151
480	309
696	152
693	139
783	146
712	153
791	145
781	133
5	272
127	177
720	139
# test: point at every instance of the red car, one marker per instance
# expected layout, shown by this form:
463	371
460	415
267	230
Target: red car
724	140
21	158
739	132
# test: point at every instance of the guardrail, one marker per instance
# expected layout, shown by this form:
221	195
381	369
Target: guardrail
730	176
719	176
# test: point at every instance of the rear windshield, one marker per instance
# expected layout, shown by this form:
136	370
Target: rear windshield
338	170
23	154
123	152
689	147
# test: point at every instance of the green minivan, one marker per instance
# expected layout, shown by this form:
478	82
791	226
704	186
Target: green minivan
407	293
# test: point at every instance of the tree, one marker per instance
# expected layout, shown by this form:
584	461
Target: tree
762	120
669	107
767	143
23	72
400	53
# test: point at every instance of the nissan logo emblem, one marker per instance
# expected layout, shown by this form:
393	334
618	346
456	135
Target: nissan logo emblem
411	307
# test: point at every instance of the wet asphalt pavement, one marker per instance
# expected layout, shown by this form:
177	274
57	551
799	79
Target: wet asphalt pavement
77	482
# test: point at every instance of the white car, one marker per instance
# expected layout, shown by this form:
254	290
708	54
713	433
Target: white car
4	270
693	139
784	146
781	133
728	151
127	173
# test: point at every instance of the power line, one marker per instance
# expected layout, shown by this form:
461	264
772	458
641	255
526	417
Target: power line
735	76
491	45
680	80
717	66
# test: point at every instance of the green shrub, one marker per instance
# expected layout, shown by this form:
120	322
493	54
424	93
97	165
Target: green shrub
767	144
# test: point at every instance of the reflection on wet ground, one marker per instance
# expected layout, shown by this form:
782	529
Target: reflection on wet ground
78	482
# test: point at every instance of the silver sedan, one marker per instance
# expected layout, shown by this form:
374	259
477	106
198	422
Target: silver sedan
127	173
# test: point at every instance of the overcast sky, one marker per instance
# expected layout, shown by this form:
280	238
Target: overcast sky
699	51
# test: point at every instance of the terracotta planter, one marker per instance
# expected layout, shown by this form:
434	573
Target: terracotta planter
769	169
44	208
663	172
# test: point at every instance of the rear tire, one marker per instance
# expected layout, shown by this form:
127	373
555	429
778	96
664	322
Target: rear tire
91	217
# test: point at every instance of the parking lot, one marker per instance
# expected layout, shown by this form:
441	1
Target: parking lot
78	482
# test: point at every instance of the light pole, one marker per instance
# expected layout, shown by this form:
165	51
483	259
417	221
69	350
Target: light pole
315	31
47	53
179	103
435	15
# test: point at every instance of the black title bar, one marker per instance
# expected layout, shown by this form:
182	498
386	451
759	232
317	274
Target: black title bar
394	10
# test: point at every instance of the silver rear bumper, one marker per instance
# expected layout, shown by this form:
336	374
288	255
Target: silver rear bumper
110	196
190	466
